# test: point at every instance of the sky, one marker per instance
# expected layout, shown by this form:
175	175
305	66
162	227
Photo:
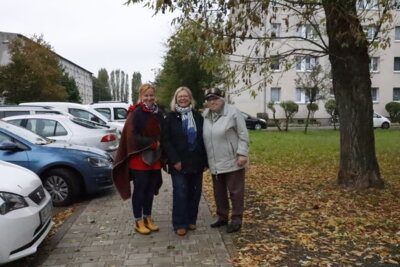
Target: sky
94	34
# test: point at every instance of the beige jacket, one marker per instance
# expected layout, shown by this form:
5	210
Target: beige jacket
225	137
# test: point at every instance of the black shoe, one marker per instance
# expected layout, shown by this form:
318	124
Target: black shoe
218	223
233	228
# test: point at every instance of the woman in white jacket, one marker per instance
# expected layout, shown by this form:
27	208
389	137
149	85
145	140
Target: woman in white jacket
227	144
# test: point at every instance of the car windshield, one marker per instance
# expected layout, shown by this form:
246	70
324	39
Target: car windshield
26	134
88	124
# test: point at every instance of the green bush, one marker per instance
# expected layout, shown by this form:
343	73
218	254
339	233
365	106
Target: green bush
393	108
263	115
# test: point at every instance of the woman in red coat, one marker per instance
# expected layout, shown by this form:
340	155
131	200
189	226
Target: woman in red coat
138	158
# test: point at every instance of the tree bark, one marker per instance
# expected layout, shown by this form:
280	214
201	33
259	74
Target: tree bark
348	54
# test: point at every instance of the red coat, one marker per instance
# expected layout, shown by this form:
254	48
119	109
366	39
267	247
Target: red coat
149	125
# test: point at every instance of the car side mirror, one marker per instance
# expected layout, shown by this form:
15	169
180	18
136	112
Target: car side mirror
7	145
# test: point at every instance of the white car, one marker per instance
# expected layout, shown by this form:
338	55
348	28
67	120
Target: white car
112	110
381	121
69	129
80	111
25	212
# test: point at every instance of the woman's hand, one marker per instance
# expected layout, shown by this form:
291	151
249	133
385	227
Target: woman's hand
241	160
178	166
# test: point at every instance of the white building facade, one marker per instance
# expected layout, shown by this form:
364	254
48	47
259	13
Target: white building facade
82	77
281	85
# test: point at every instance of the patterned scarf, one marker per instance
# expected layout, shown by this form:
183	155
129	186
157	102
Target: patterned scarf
152	109
188	123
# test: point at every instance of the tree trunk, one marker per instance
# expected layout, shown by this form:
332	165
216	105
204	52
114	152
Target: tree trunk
307	121
348	54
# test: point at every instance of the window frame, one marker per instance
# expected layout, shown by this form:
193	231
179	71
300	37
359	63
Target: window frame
278	90
301	63
372	64
398	64
396	94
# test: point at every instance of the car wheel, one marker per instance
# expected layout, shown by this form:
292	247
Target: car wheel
257	126
62	185
385	125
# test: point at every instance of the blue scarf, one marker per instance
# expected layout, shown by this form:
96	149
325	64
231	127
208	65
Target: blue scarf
188	123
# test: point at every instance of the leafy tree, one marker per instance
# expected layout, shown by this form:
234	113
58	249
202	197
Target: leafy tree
334	29
34	73
119	85
72	90
393	108
101	88
316	84
290	109
271	106
184	65
331	108
136	82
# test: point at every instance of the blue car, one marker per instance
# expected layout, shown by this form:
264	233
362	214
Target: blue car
67	171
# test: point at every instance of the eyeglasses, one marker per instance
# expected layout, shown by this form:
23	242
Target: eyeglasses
213	98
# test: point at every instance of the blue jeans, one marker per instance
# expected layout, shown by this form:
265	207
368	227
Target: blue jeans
186	198
144	187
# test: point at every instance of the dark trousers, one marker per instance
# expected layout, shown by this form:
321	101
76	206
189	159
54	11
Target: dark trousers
232	182
186	198
144	186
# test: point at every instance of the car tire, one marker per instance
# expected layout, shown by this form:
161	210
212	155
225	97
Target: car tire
385	125
257	126
62	185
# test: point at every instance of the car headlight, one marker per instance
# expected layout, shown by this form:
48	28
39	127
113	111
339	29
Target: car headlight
98	162
10	202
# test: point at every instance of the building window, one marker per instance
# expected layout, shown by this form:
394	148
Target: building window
373	64
396	94
397	33
307	32
301	96
374	92
368	4
275	64
306	63
370	32
397	64
397	4
275	94
275	30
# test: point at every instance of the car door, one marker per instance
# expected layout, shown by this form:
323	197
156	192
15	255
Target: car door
18	157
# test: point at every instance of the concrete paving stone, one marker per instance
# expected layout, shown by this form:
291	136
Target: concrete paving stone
115	263
103	235
161	260
97	264
140	255
137	262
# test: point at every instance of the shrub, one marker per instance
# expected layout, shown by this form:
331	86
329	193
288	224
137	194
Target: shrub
393	108
263	115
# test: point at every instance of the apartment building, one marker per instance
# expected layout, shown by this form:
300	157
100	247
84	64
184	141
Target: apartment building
282	86
82	77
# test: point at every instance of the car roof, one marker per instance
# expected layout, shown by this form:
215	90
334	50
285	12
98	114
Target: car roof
41	116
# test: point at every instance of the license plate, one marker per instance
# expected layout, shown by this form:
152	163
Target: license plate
45	213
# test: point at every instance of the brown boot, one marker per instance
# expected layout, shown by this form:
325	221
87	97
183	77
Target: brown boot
192	227
148	222
141	229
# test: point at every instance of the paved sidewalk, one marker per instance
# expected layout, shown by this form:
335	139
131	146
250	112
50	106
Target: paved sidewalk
103	235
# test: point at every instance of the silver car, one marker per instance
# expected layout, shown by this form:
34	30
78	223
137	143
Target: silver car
69	129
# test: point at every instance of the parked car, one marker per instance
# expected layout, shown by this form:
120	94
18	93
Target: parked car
15	110
112	110
25	212
381	121
69	129
253	122
66	170
80	111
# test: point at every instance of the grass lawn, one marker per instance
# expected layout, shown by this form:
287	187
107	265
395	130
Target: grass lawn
296	215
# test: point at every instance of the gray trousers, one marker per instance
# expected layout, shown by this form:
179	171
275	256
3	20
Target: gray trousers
232	182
